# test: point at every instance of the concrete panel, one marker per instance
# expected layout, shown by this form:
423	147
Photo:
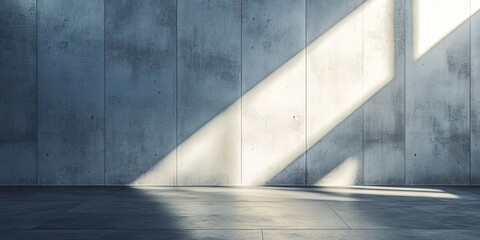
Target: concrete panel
331	13
140	74
70	92
273	87
437	92
17	92
475	92
334	93
209	65
384	79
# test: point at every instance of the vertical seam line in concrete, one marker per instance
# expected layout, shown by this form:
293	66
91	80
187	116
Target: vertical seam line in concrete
404	94
176	93
104	97
36	92
338	215
363	97
241	92
306	102
470	97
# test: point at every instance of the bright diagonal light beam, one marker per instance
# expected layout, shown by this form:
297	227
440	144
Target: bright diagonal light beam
345	67
274	110
433	20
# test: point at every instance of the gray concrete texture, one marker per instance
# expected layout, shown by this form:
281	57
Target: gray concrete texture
225	92
140	57
208	81
17	92
364	212
70	92
437	107
474	94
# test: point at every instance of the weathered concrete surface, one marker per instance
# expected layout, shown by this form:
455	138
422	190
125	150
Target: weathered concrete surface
70	92
334	93
353	116
437	103
383	76
140	73
475	92
366	213
397	234
17	92
209	67
273	89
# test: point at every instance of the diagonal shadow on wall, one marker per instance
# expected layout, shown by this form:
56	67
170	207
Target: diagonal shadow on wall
351	115
343	171
269	65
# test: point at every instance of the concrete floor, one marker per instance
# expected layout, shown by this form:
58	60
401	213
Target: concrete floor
239	213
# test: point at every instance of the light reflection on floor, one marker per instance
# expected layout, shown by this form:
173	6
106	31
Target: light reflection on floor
357	212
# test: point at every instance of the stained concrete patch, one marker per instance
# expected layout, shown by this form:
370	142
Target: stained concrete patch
437	112
17	92
140	91
475	95
70	92
384	116
209	67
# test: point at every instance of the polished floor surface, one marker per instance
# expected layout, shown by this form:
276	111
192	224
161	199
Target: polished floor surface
239	213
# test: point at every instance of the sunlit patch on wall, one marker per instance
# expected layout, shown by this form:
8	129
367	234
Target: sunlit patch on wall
273	125
340	78
344	174
433	20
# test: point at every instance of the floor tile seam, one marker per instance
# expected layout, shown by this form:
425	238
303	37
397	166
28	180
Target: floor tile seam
338	215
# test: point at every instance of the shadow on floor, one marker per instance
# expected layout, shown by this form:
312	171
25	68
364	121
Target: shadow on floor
239	213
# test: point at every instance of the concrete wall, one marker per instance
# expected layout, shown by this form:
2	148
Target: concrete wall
140	96
475	93
209	66
334	91
70	92
437	104
225	92
18	92
273	103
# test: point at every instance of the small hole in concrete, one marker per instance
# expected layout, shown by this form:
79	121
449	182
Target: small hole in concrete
414	154
47	154
91	117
